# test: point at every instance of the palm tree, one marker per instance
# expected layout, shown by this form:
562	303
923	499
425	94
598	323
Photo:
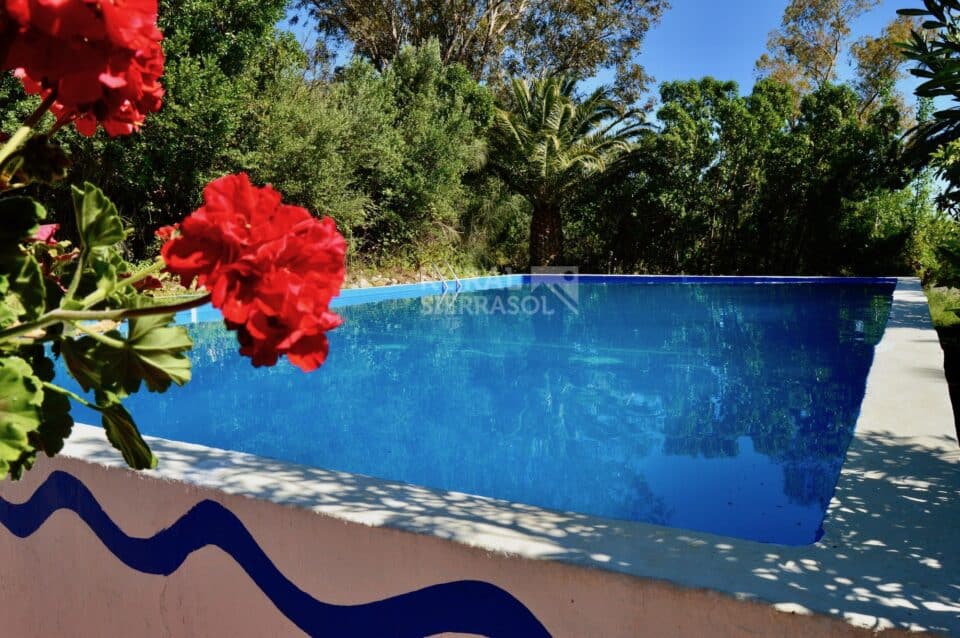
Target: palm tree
934	47
546	144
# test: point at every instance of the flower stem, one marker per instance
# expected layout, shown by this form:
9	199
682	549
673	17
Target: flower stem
73	395
97	296
23	133
58	316
14	143
60	123
96	336
77	276
34	118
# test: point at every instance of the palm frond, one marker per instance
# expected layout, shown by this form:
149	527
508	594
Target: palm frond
547	142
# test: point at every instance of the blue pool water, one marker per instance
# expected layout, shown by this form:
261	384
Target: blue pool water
713	407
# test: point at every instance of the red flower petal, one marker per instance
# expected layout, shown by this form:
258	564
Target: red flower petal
271	269
103	59
166	233
45	234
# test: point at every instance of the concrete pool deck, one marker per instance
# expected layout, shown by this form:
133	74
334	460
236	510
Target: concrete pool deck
888	559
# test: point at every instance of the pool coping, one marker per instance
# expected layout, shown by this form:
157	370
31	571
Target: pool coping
886	560
352	296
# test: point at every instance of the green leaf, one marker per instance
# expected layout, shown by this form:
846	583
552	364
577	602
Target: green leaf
23	464
56	422
21	398
122	432
155	352
152	353
87	359
106	264
26	295
97	218
22	289
8	314
42	161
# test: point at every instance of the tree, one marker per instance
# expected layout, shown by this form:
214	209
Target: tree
468	32
935	48
831	158
806	49
687	199
880	65
732	184
934	145
438	115
384	151
495	38
545	144
570	37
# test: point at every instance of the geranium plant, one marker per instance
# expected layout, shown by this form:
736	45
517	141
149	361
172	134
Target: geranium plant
272	269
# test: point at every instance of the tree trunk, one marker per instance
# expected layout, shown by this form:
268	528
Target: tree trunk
546	236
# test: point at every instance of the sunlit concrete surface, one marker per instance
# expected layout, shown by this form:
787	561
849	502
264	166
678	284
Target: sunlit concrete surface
887	563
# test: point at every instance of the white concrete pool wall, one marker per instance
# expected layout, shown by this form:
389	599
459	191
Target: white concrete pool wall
887	563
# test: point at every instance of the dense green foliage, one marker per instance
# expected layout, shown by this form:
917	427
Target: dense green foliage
385	153
421	164
732	184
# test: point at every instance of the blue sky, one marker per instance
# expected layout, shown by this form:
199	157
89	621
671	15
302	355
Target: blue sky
724	38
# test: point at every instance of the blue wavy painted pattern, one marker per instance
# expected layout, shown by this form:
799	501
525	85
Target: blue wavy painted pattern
471	607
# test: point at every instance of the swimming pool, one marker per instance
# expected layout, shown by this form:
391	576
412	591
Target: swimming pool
703	404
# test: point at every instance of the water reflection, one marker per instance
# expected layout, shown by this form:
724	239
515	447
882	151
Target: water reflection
722	408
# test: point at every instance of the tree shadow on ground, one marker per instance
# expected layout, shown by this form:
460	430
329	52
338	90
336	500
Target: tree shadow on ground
887	558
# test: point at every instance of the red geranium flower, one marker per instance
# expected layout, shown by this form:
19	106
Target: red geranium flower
101	57
271	269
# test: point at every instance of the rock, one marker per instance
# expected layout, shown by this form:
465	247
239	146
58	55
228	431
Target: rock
364	283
